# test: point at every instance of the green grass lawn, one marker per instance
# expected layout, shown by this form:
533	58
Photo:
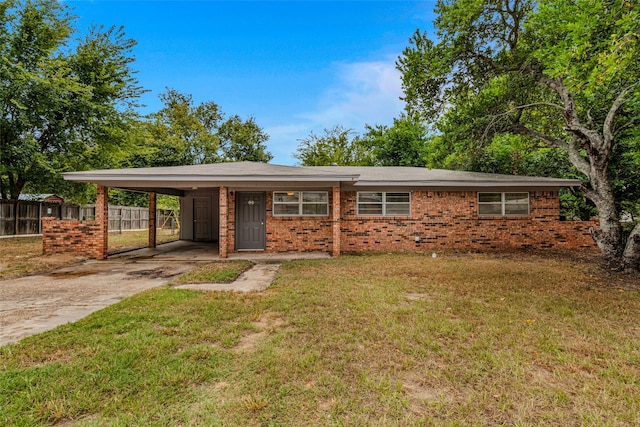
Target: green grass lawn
214	272
386	340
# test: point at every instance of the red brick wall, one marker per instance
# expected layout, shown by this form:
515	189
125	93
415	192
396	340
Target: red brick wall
72	236
439	220
298	233
449	220
88	238
287	233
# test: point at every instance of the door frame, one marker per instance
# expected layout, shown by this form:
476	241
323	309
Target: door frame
263	196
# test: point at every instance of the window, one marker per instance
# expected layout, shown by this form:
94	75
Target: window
500	204
384	204
295	203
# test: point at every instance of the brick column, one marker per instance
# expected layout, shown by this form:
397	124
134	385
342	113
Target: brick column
335	221
102	218
152	220
224	233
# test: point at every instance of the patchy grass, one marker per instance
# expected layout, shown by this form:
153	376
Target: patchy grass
214	272
20	256
369	340
23	255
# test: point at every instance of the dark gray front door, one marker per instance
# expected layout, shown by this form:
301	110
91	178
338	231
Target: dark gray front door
201	218
250	219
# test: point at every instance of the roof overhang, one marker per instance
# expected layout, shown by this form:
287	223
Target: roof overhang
177	180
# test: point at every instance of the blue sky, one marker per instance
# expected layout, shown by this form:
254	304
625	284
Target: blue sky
296	66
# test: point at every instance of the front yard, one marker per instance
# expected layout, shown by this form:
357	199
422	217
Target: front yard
460	340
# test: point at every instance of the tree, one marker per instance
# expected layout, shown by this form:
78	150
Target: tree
180	133
402	144
565	73
338	145
243	140
65	103
183	133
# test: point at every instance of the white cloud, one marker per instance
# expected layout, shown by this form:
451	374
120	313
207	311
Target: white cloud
363	93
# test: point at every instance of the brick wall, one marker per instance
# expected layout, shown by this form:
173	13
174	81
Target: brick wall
449	220
287	233
298	233
72	236
439	220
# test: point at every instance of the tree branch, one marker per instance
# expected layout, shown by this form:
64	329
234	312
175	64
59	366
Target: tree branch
574	154
607	129
572	120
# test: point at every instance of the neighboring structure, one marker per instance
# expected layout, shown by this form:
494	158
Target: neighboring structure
46	198
250	206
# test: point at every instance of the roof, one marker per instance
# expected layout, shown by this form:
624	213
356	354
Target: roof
39	197
253	173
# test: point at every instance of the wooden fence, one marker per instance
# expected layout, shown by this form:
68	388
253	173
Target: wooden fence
121	218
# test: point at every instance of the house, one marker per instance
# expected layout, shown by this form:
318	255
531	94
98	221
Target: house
247	206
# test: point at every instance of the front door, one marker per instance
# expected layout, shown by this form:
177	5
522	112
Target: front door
250	221
201	218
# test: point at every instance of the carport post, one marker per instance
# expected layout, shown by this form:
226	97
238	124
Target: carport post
335	221
102	220
152	220
222	241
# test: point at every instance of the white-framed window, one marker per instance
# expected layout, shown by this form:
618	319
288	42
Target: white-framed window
300	203
503	204
380	203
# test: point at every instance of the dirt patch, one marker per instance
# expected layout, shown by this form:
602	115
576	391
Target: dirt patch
416	297
266	325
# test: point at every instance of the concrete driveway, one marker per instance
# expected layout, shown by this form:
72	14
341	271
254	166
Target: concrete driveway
33	304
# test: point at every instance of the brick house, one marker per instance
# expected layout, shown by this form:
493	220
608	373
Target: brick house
247	206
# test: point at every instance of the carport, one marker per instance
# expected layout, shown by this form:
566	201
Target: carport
227	203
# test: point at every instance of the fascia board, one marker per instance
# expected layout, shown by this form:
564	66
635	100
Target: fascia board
97	178
469	184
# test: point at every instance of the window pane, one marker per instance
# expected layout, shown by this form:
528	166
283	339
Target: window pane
314	197
490	197
519	198
397	197
516	209
315	209
369	209
398	209
283	209
286	197
369	197
490	209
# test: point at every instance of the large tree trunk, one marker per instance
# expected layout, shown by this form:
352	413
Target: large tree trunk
609	236
631	255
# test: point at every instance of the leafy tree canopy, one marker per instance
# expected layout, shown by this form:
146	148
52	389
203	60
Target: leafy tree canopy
402	144
183	133
337	145
563	75
66	103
